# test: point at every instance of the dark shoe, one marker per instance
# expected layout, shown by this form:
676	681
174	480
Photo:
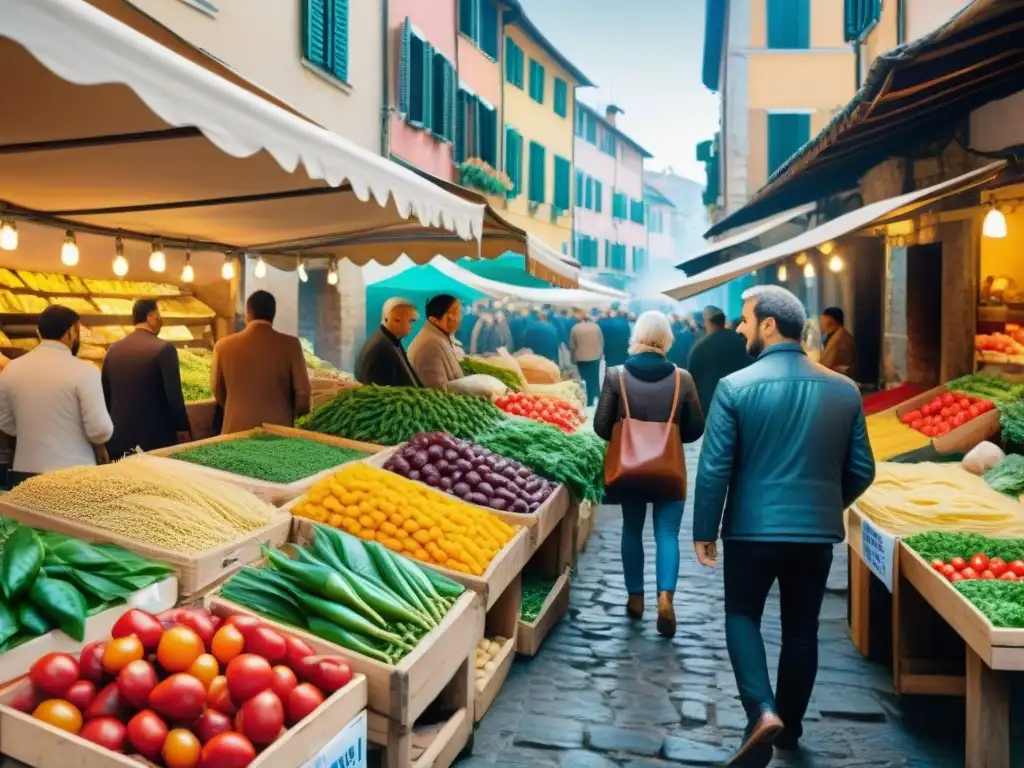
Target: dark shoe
760	736
786	744
666	615
635	607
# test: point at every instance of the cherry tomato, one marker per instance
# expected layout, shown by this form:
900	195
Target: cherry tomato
227	643
1017	566
974	411
108	732
248	675
959	563
181	749
300	649
59	714
948	399
136	681
243	623
1008	576
27	699
998	566
979	562
147	733
143	625
987	575
926	410
261	718
121	652
303	699
956	577
205	668
948	570
228	750
915	415
90	662
268	643
81	694
928	431
179	647
179	698
218	697
284	681
199	621
210	723
963	402
969	573
54	673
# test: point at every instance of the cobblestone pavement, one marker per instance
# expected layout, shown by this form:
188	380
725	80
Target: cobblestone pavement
605	692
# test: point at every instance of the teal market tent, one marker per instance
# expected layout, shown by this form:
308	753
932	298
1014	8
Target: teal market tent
509	268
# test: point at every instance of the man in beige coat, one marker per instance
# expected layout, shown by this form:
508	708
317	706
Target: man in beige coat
259	375
433	353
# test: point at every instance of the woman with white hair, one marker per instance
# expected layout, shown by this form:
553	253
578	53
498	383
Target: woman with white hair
649	388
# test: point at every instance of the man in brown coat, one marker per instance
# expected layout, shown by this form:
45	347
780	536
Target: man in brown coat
840	353
142	387
433	353
259	374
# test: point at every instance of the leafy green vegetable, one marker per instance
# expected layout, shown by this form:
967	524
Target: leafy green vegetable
1002	602
947	545
1011	419
1007	476
535	591
506	376
986	385
194	366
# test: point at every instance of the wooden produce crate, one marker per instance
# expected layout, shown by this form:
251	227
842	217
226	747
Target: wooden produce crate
485	698
40	745
586	519
274	493
532	634
201	417
194	571
959	440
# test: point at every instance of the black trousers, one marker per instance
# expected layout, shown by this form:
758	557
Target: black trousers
751	568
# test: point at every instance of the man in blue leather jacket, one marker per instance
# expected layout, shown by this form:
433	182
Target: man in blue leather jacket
785	452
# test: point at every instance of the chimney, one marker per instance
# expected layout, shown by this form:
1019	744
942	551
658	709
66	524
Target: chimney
610	112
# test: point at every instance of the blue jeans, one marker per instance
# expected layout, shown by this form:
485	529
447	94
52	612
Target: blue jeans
668	515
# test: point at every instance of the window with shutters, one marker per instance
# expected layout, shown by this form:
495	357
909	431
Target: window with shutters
537	178
561	97
639	258
514	63
620	206
859	16
417	76
607	142
578	122
586	250
589	197
598	196
636	211
476	129
514	160
787	132
428	87
655	222
580	187
536	81
325	35
478	20
615	256
563	182
789	23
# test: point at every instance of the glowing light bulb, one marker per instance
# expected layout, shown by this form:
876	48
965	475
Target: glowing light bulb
8	235
835	264
332	274
302	272
120	262
781	274
227	271
157	259
808	270
993	226
69	251
801	259
261	268
187	273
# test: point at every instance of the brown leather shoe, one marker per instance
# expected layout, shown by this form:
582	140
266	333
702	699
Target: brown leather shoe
666	615
635	606
767	727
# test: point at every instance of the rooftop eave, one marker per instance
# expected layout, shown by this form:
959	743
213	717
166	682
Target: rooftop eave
516	15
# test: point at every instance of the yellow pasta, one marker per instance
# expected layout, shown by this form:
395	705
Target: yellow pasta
891	438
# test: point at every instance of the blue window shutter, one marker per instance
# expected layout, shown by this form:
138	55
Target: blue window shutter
579	189
563	182
460	126
428	87
536	81
451	87
488	23
578	122
787	133
589	196
487	121
403	69
789	23
537	168
513	63
561	97
467	15
314	31
592	129
514	160
598	196
339	38
415	114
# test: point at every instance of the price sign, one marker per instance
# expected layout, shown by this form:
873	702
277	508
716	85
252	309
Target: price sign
877	547
347	749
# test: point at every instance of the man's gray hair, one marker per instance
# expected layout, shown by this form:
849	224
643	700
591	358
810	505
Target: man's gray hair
783	306
396	302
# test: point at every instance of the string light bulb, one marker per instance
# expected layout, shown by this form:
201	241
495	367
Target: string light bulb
781	274
120	262
261	268
994	225
8	235
835	264
332	274
227	271
157	258
69	251
801	259
187	273
302	272
808	270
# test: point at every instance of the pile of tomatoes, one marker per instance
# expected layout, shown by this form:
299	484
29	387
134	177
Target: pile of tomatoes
945	413
980	566
551	410
183	689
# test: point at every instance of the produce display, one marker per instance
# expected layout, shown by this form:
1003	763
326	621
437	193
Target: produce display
1011	421
45	282
535	591
113	306
183	689
549	410
575	461
945	413
910	498
486	660
358	595
1007	476
471	473
128	287
274	458
474	365
138	498
392	415
407	517
50	581
10	280
999	344
987	386
890	438
568	390
537	369
80	304
194	365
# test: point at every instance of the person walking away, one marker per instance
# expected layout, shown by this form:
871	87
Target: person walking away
469	322
720	353
785	452
433	352
586	343
649	388
518	325
482	340
541	337
840	352
682	342
615	330
52	403
382	359
502	331
142	387
259	374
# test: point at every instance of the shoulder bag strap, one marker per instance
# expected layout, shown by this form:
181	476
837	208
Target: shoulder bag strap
622	387
675	399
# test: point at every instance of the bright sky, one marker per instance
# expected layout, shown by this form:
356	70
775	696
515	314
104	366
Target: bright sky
645	56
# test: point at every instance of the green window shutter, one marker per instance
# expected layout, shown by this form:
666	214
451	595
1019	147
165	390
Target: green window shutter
561	97
591	129
403	68
339	39
314	31
417	99
513	63
537	180
789	23
580	186
487	124
536	81
451	99
460	126
859	16
563	179
589	196
514	160
598	196
578	122
488	23
467	16
428	88
787	132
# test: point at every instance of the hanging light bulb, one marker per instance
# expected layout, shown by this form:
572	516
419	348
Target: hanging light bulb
69	251
835	264
120	262
808	270
332	274
302	272
781	273
227	271
157	259
801	259
261	268
187	273
8	235
994	225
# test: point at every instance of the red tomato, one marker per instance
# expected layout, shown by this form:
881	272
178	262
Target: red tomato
974	411
27	699
954	409
956	577
299	649
1017	566
261	718
945	413
998	566
108	703
136	681
147	734
108	732
303	699
268	643
218	697
914	415
987	575
90	661
248	675
948	399
943	429
144	626
979	562
54	673
201	622
926	410
938	564
969	573
1008	576
959	563
328	673
228	750
928	431
211	723
81	694
284	681
180	697
243	623
948	570
964	403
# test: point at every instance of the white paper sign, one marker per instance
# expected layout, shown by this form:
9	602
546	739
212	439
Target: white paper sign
347	749
877	547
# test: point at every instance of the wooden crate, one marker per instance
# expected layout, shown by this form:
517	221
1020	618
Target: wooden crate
194	571
532	634
586	518
40	745
485	698
275	493
961	439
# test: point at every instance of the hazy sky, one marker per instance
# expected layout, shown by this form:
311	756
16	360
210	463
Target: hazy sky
645	56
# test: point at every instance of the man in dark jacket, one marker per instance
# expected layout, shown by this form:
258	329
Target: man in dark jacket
715	356
541	337
785	452
615	330
682	342
383	360
142	387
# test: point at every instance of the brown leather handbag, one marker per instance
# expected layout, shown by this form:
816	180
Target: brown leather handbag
645	458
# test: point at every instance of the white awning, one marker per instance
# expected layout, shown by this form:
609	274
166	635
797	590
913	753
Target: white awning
557	297
595	287
837	227
183	154
746	236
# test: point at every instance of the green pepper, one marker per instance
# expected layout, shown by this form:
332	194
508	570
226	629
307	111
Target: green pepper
61	603
20	562
32	619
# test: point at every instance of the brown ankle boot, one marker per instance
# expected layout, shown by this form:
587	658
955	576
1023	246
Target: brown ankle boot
635	606
666	615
